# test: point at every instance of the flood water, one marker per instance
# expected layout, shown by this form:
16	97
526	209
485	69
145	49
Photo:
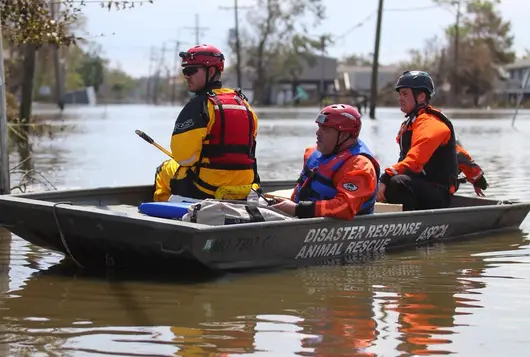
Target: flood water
463	298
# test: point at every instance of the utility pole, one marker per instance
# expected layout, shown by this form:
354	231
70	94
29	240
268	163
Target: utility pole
148	89
236	8
456	88
197	29
59	84
322	67
157	74
175	71
375	63
5	185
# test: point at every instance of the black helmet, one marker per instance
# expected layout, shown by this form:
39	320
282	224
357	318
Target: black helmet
419	80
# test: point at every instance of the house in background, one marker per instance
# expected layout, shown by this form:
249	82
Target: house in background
229	79
287	89
511	87
359	78
316	78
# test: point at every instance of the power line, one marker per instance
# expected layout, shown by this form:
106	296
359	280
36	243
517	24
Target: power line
236	7
197	29
374	12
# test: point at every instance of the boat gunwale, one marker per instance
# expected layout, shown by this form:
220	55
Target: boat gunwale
190	227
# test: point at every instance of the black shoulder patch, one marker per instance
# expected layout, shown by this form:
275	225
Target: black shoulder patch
191	116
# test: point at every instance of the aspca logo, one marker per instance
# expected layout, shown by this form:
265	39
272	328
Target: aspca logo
350	186
185	125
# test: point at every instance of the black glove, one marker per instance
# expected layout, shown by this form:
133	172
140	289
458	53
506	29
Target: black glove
482	183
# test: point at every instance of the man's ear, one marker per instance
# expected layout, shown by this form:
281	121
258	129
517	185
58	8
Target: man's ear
421	97
343	136
212	71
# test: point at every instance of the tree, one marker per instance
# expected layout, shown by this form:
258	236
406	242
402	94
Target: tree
479	42
91	70
28	23
119	84
358	60
430	58
486	43
275	38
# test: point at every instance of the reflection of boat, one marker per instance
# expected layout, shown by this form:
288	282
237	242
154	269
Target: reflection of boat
330	309
101	227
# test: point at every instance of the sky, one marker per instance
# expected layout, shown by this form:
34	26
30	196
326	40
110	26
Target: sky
127	36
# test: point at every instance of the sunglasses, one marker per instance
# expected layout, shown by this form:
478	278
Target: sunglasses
190	71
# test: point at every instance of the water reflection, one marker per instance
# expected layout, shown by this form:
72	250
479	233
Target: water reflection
5	260
412	303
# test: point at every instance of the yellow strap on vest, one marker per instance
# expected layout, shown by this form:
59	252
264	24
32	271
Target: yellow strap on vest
240	192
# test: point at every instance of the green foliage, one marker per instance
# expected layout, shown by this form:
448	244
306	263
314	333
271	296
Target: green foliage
358	60
119	84
91	71
484	44
30	21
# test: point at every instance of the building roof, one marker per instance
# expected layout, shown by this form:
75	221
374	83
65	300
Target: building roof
522	63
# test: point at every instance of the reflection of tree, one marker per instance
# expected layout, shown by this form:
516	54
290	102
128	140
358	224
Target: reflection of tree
5	261
219	339
426	294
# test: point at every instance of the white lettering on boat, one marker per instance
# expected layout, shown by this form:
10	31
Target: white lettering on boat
361	232
334	242
337	249
433	232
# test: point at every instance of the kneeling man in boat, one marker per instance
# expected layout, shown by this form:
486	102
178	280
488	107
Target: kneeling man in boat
214	139
425	176
340	175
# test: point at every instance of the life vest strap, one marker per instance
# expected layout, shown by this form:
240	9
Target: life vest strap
217	150
220	166
195	178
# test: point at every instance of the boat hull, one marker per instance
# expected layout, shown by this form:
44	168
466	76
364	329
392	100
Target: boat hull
85	226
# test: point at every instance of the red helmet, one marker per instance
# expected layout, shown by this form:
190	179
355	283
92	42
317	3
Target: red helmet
203	55
342	117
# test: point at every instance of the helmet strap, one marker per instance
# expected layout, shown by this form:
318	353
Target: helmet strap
339	144
209	80
417	106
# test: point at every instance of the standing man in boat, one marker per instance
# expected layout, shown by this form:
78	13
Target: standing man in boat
473	173
425	177
340	175
214	139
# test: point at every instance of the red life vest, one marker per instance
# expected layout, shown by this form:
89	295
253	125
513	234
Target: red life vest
230	144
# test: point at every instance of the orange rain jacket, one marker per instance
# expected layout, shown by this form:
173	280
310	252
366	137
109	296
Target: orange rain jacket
358	170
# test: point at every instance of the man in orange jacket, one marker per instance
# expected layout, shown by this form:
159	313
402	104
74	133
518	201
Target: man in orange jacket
340	176
472	171
425	176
